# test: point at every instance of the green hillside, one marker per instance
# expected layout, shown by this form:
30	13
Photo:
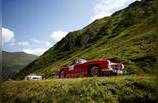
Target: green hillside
129	35
13	62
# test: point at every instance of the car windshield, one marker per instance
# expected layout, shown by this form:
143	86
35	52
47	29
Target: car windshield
81	61
116	66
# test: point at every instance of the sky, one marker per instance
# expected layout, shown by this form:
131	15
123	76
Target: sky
33	26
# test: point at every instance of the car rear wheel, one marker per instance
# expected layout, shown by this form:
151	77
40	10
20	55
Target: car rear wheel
94	71
62	74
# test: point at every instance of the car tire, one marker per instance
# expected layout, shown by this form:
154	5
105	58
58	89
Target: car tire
94	71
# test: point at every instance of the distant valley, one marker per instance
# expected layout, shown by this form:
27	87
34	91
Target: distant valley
13	62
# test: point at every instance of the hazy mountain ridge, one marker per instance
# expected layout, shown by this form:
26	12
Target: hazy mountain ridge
129	35
13	62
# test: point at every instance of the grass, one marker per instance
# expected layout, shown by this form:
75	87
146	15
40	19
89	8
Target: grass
115	89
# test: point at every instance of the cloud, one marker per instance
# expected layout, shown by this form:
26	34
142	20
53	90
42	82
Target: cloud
102	8
40	46
35	51
58	35
49	44
19	44
25	43
7	35
43	46
35	41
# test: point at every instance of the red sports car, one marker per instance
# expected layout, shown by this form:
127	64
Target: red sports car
84	68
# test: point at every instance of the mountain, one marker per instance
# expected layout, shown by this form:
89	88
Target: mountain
13	62
129	35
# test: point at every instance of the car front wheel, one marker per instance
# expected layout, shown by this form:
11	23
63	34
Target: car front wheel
94	71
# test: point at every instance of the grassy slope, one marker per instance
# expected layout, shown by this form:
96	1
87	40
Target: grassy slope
129	35
131	89
138	51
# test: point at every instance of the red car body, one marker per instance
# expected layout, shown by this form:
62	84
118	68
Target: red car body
85	68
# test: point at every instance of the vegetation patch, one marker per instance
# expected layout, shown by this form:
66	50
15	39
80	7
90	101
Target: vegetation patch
116	89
